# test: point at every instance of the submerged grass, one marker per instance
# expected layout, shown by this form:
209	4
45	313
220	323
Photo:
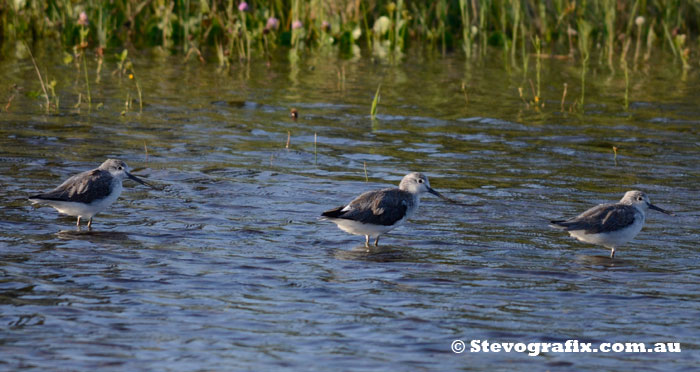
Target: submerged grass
237	30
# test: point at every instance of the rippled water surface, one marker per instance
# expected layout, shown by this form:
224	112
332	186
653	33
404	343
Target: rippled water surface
229	268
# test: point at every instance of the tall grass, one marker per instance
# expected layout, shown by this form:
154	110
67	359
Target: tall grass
234	30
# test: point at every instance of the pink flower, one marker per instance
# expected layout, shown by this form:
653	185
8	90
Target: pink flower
243	6
272	23
83	19
296	24
325	26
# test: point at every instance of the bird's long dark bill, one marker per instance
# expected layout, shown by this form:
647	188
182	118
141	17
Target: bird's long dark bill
652	206
131	176
432	191
445	198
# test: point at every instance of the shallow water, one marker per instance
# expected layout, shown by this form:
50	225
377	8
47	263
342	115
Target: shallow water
229	268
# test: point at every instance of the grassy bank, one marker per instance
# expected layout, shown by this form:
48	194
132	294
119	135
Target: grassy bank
625	31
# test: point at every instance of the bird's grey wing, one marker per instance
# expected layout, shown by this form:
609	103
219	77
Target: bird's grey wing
84	188
382	207
601	219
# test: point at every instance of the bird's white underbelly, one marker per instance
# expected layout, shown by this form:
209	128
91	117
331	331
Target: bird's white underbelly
83	210
610	239
359	228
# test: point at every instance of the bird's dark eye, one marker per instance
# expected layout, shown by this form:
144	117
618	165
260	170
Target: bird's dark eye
420	180
640	198
120	168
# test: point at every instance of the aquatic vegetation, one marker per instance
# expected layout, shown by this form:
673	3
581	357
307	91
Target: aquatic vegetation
125	68
14	90
49	103
375	102
627	86
464	91
240	30
618	36
585	47
563	96
538	55
87	82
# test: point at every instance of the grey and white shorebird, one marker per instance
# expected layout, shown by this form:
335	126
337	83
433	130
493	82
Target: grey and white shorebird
90	192
610	225
377	212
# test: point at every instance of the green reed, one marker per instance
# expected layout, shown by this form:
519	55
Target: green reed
464	12
375	102
230	32
609	28
585	30
538	52
514	35
627	86
236	29
41	81
125	68
87	82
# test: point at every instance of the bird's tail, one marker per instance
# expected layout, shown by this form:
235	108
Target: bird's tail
559	224
333	213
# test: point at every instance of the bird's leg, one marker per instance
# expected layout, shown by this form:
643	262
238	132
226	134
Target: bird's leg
376	241
90	224
366	241
78	223
612	253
